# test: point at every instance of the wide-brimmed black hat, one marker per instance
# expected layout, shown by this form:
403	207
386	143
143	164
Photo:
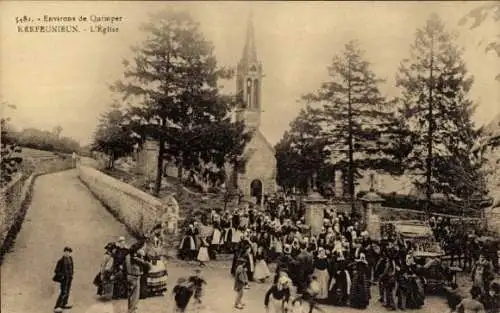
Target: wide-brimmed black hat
67	249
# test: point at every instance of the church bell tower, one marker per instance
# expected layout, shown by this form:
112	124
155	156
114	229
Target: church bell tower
248	82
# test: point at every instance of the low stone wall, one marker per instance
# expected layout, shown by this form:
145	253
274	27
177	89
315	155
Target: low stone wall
12	198
15	200
139	211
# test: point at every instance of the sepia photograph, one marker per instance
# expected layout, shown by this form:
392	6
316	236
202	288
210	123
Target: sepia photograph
250	156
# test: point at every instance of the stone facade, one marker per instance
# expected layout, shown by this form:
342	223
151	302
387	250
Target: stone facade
259	174
147	159
260	166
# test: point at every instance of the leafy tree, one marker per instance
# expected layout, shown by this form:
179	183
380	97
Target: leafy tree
436	84
9	156
45	140
356	117
57	130
301	152
174	75
112	137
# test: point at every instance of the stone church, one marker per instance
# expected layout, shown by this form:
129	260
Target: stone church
258	176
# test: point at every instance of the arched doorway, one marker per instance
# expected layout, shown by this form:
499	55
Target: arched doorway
256	190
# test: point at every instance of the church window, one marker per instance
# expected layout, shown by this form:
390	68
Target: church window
249	93
256	94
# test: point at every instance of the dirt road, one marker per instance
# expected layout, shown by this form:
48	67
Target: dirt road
63	212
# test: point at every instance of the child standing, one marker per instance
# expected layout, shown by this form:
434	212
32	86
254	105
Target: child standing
240	281
198	283
183	292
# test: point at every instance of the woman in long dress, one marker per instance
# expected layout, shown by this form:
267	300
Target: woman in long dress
216	241
360	288
261	269
321	272
340	285
416	297
187	246
203	252
156	278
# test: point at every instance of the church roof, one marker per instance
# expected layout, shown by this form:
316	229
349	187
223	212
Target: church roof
260	136
249	51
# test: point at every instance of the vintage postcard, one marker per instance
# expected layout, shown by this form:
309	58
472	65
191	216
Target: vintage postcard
226	156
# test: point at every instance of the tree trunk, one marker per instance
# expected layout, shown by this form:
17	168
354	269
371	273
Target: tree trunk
179	172
112	160
350	152
179	167
430	133
159	164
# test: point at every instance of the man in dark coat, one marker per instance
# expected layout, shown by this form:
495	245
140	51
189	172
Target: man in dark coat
63	274
120	284
305	262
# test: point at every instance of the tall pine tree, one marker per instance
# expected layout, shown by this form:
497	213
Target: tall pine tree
356	116
435	81
175	77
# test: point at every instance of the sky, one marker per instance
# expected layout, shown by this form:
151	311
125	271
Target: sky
63	78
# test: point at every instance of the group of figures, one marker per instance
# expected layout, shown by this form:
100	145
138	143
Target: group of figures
134	272
343	261
463	242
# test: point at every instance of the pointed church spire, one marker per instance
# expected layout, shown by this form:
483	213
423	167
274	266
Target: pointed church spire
249	51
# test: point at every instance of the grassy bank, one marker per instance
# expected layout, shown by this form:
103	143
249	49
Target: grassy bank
190	202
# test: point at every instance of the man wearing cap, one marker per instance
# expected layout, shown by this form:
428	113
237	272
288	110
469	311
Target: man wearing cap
120	287
63	274
135	266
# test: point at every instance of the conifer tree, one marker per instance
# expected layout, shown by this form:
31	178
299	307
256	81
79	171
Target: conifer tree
356	116
435	81
175	77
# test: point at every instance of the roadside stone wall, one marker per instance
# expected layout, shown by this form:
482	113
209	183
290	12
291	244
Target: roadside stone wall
16	196
12	198
139	211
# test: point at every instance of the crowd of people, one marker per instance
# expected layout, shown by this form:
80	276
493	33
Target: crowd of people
338	266
342	261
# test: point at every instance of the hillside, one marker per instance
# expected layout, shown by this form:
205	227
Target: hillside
190	202
42	161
